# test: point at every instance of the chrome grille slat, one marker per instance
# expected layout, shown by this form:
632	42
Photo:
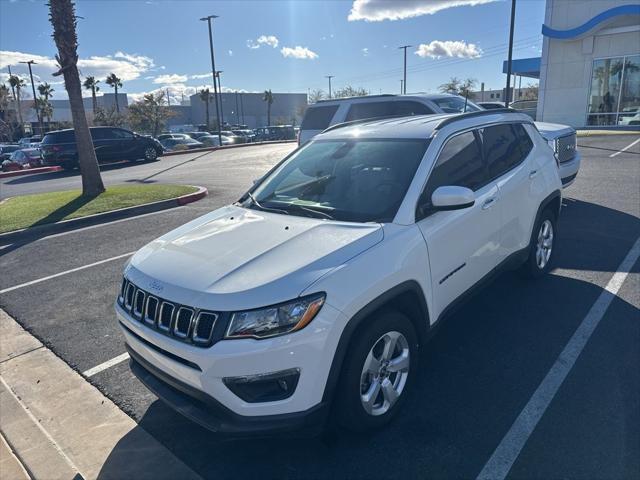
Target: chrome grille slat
181	322
566	148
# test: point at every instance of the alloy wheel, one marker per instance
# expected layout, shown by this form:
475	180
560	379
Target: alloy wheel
384	374
150	153
545	244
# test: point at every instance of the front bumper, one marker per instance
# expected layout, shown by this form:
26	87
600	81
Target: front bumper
569	170
201	371
206	411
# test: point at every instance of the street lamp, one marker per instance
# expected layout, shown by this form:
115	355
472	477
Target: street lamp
329	77
35	100
404	83
513	17
213	73
218	72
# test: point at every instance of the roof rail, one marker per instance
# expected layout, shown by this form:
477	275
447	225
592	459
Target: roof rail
356	98
479	113
363	120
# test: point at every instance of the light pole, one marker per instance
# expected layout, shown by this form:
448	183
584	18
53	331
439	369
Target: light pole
404	83
213	72
218	72
401	83
329	77
513	17
35	99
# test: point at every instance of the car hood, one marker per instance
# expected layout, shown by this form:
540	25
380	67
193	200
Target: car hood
237	258
551	131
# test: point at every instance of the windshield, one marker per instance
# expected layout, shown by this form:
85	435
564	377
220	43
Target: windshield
456	105
349	180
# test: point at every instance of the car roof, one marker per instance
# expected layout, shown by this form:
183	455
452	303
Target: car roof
416	126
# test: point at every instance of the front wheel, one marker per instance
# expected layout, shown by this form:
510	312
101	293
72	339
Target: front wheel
150	154
378	372
541	246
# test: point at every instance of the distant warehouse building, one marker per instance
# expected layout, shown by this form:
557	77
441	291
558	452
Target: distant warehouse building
590	68
250	109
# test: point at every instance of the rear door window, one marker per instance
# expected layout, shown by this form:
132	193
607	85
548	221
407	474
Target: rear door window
504	147
318	118
66	136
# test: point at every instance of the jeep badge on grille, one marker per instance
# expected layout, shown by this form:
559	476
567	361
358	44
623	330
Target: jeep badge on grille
156	286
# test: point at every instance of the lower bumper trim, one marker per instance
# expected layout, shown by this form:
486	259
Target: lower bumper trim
206	411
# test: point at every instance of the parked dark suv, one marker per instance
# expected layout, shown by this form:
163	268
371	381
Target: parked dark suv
111	144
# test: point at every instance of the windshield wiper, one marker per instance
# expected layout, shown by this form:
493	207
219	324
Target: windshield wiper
312	210
262	207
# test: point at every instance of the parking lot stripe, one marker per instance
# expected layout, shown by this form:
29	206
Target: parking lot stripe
625	148
108	364
77	269
511	445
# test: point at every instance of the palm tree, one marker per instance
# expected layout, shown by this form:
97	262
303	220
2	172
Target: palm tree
205	96
268	97
46	109
90	83
17	83
62	14
4	100
114	82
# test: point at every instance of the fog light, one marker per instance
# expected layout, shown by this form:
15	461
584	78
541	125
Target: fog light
268	387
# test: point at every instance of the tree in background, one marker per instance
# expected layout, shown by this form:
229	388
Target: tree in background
316	95
150	114
205	96
5	97
268	97
109	117
63	18
17	83
531	92
44	105
455	86
115	83
90	83
350	91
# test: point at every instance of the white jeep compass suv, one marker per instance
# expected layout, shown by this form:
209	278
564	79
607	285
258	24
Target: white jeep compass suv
317	288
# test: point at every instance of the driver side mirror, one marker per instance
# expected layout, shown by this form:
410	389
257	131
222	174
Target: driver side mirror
452	198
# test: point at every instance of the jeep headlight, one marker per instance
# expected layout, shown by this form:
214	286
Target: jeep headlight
275	320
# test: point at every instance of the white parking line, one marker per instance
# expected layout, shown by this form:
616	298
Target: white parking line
105	365
511	445
77	269
624	149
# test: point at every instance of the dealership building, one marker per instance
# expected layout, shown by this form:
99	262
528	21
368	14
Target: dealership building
590	67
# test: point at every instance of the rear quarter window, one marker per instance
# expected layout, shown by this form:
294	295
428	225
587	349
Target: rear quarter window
318	118
67	136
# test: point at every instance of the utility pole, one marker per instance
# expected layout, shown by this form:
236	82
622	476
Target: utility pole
35	99
513	18
213	72
404	83
401	83
168	101
218	72
329	77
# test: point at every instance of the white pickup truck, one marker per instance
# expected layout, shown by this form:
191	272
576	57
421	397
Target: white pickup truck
326	113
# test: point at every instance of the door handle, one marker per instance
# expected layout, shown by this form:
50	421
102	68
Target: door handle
488	203
533	173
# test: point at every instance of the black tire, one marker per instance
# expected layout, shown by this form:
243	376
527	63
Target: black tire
150	154
350	409
532	267
69	166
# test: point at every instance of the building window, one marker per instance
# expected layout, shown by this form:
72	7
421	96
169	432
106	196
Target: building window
614	97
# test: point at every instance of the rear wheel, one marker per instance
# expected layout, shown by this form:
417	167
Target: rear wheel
541	246
377	372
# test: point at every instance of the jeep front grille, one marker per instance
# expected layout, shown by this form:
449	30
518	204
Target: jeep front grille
182	322
566	148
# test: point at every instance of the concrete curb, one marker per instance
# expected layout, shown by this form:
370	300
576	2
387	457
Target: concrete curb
225	147
59	426
75	223
29	171
589	133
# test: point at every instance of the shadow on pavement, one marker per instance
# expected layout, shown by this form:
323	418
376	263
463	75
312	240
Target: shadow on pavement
474	377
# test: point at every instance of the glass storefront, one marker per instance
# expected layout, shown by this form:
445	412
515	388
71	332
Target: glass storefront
614	97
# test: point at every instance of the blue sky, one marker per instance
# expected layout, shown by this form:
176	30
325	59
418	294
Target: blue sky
161	44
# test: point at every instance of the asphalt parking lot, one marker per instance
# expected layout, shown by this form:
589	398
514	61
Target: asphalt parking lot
477	373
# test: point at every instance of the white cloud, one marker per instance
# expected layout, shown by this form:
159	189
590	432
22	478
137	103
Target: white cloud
126	66
365	51
170	78
438	49
270	40
178	90
230	52
298	52
200	75
379	10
